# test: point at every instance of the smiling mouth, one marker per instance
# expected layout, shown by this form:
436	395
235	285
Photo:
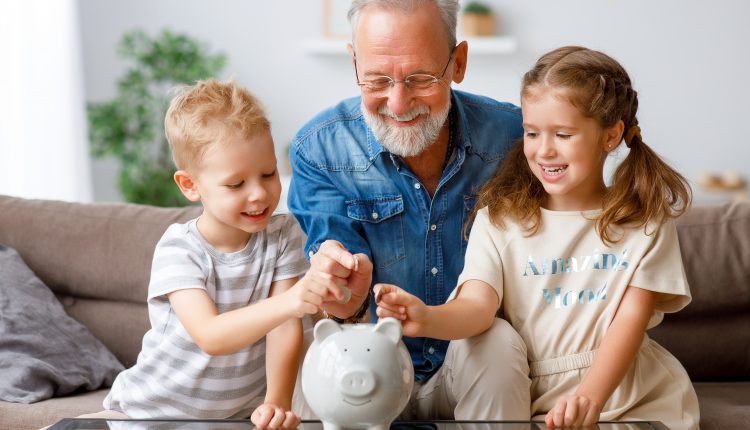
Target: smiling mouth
254	213
554	171
402	122
356	404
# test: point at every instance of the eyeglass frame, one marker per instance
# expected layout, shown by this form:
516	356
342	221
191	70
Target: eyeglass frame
392	82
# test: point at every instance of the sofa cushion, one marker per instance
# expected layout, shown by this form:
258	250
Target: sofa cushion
715	246
724	406
43	351
96	257
20	416
708	336
88	250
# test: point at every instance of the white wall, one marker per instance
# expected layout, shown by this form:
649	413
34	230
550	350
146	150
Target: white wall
688	60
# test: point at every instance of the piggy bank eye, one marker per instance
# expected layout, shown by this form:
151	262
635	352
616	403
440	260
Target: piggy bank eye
368	349
345	350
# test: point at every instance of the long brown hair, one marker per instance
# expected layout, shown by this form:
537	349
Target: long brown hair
644	188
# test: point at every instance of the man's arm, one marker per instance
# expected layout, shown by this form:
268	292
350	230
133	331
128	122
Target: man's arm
345	270
333	238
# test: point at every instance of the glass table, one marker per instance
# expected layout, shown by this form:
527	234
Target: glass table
104	424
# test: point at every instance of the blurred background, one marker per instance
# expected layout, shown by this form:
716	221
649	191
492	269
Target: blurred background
688	59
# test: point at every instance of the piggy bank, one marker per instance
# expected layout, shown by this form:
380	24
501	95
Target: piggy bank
357	375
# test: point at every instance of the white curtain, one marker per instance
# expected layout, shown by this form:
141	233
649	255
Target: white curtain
44	150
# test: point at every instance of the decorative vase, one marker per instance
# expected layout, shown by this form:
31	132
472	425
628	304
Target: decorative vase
478	24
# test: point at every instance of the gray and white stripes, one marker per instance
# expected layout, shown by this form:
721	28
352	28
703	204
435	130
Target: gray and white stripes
173	377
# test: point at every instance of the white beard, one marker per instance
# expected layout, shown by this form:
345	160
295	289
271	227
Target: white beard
406	141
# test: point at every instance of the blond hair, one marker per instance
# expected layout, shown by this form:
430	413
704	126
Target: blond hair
644	190
210	112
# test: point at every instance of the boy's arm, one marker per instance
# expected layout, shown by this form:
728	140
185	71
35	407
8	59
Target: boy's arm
219	334
470	313
284	345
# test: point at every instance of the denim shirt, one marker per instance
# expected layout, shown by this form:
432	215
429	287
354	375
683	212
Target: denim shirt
345	186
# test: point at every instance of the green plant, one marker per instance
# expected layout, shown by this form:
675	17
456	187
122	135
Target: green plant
130	127
478	8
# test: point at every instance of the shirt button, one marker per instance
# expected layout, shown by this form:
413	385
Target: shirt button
433	227
434	271
417	186
374	215
431	350
310	254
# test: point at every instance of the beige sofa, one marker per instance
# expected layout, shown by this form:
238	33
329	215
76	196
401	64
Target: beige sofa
96	258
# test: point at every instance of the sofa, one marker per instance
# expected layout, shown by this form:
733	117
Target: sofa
96	259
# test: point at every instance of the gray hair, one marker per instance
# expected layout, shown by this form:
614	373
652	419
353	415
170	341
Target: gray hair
448	12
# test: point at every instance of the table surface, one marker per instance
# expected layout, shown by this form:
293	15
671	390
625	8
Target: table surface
102	424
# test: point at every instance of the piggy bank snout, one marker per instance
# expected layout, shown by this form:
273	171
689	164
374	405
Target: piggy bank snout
357	382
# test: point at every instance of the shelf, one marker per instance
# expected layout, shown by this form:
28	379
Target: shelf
491	45
325	46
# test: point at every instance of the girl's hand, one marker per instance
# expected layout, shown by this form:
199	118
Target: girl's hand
272	416
394	302
573	411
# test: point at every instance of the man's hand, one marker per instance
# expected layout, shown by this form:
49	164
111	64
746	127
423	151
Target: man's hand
342	268
270	416
394	302
573	411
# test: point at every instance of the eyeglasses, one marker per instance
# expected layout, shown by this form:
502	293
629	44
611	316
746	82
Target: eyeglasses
418	83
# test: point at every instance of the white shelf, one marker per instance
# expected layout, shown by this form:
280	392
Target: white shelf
491	45
325	46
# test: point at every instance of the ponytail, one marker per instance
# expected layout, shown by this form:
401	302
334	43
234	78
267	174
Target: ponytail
644	190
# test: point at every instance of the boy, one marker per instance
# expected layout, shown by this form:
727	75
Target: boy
224	290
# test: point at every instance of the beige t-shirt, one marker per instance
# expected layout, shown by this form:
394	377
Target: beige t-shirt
561	287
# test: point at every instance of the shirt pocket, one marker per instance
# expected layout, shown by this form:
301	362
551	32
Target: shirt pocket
382	221
469	202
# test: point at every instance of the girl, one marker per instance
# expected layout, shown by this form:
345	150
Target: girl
580	270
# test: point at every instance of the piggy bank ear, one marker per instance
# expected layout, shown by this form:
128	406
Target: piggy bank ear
325	328
390	327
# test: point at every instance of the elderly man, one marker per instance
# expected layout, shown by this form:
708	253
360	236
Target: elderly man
383	184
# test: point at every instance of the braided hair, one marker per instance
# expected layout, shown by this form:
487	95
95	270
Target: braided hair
645	189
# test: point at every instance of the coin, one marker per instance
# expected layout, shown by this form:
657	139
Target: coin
347	295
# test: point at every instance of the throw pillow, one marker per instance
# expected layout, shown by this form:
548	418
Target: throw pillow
43	351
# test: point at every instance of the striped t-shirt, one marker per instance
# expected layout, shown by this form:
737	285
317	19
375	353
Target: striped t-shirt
173	377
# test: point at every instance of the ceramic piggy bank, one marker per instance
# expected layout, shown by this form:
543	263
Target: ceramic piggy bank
357	375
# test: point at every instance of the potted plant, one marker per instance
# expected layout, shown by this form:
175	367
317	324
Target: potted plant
477	19
130	127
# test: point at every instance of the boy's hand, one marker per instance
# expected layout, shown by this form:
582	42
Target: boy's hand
394	302
343	269
573	411
272	416
306	296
